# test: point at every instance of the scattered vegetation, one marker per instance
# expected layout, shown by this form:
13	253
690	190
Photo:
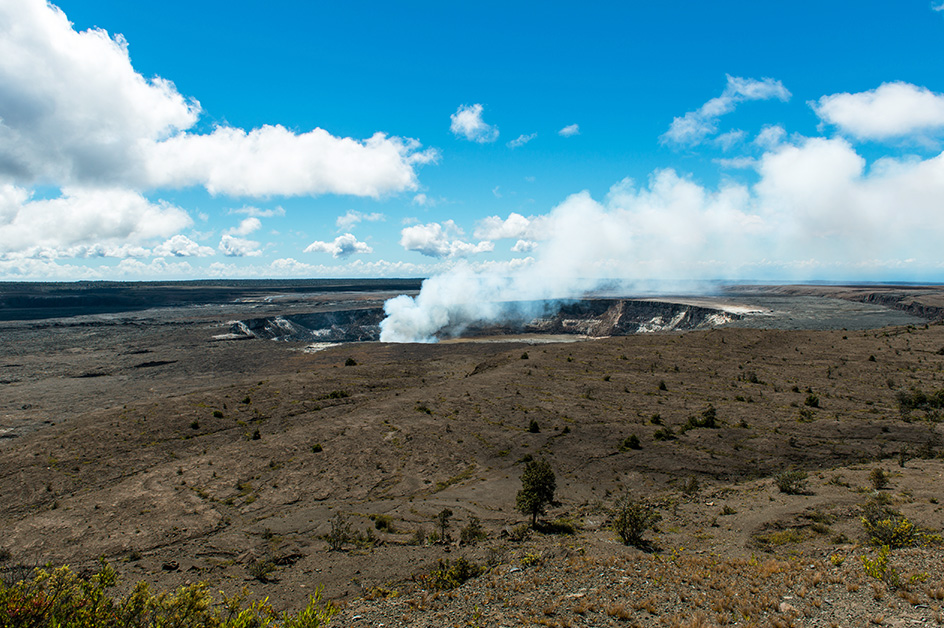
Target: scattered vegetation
630	442
63	599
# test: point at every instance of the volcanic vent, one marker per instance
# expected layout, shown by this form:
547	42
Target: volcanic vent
588	318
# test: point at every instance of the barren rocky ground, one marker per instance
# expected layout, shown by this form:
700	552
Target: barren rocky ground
182	458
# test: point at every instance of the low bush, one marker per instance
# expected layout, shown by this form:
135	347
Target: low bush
448	576
791	482
630	442
472	532
632	519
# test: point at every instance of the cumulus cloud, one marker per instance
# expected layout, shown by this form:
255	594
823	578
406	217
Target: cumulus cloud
570	130
343	246
352	217
73	111
83	217
181	246
496	228
273	160
440	240
232	246
524	246
245	227
892	110
521	140
467	123
695	126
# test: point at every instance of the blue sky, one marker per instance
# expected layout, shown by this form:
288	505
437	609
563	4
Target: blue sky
638	141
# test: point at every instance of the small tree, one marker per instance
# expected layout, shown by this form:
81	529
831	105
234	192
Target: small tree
443	520
537	489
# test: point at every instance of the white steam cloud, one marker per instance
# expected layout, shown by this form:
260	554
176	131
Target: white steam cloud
815	212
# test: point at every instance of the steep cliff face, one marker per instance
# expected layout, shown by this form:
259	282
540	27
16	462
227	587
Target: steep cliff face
340	326
592	317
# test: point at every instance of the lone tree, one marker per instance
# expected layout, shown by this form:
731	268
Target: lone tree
537	489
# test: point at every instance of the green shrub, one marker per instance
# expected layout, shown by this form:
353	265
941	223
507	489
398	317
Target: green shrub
317	448
519	533
878	478
350	362
632	519
665	433
630	442
383	522
448	576
339	534
533	427
791	482
218	414
811	400
708	419
335	394
885	526
473	532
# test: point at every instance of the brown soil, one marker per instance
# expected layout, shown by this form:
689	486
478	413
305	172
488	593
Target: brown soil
181	459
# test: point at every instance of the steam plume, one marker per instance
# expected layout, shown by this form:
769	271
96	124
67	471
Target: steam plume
815	213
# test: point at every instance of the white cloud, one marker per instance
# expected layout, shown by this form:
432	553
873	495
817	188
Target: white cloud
181	246
158	267
940	7
692	128
440	240
494	228
83	217
521	140
273	160
343	246
570	130
259	213
737	163
890	111
524	246
770	136
352	217
467	122
730	139
245	227
232	246
74	111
